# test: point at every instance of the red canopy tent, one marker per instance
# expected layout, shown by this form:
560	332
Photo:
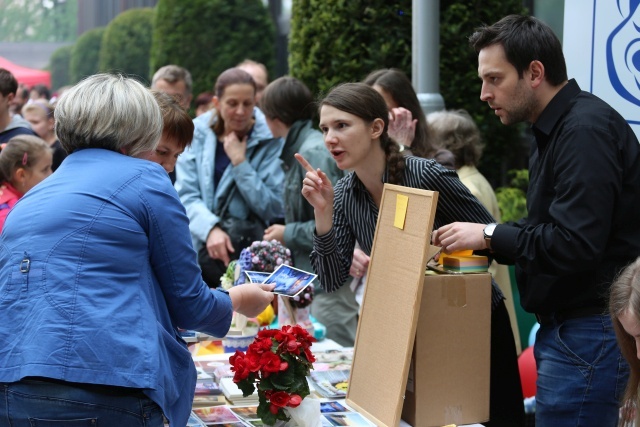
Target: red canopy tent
28	76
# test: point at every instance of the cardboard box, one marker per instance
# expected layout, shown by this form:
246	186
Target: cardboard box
423	342
448	381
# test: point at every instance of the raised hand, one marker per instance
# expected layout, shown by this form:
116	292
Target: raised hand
235	149
402	126
318	190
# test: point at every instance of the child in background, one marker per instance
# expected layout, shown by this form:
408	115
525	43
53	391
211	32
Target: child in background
40	115
24	162
624	307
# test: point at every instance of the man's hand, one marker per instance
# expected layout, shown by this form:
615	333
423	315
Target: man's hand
459	236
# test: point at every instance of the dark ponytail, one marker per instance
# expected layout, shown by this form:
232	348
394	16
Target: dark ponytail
363	101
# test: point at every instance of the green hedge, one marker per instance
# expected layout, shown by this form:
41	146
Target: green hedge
85	55
209	36
59	66
126	43
339	41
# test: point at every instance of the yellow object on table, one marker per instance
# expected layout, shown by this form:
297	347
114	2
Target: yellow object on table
267	316
205	348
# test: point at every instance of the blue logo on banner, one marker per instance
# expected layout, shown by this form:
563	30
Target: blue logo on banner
623	53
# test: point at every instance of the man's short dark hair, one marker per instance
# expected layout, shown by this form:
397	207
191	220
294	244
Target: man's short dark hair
524	39
8	83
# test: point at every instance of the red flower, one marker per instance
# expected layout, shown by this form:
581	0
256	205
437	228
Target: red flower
254	361
260	345
294	400
310	357
280	398
240	366
270	363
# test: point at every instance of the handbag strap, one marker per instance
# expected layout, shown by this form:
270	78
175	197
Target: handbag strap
227	202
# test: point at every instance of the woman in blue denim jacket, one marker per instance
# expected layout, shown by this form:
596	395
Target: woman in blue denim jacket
232	148
97	272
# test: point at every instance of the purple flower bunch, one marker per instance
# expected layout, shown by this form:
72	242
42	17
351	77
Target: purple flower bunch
303	299
263	256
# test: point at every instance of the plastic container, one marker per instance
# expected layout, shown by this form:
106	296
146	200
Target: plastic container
232	343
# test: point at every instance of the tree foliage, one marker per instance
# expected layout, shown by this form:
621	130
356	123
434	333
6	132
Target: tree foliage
38	21
341	41
85	55
209	36
126	43
59	66
513	199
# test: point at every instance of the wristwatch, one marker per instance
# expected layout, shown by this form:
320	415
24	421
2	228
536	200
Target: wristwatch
488	233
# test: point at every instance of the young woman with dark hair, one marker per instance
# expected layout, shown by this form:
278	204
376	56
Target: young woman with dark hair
354	121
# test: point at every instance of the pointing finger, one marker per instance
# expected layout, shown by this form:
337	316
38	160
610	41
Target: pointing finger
305	164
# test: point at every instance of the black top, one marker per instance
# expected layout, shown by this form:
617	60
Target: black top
59	155
583	202
355	215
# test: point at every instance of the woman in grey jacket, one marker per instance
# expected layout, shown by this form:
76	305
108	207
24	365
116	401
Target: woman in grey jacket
233	156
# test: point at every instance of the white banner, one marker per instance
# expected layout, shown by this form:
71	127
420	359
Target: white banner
602	50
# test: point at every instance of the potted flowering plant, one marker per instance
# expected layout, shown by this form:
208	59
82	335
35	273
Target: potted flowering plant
277	364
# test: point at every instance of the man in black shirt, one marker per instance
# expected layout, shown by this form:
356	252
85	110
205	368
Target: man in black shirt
582	228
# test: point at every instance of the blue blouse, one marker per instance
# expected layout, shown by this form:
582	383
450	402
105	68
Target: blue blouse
97	271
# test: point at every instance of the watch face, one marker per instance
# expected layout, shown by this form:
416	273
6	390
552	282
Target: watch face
488	230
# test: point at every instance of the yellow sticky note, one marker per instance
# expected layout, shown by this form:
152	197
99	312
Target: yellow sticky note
402	202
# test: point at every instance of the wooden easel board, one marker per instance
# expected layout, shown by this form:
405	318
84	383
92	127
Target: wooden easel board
391	305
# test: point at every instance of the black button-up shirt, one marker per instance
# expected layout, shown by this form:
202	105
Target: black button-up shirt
584	206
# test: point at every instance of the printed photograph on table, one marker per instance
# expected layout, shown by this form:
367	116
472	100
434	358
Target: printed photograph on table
216	415
333	360
194	421
207	369
257	276
331	407
331	384
238	424
289	281
246	412
351	419
207	388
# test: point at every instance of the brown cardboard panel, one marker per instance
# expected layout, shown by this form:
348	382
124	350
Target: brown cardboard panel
391	304
449	380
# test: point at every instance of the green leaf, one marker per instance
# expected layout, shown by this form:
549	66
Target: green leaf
247	387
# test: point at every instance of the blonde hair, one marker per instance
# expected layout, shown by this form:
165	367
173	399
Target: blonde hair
624	296
22	151
41	106
108	111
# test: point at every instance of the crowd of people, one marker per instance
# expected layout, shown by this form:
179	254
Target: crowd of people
120	213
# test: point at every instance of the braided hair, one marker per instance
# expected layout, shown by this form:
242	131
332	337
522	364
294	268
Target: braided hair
363	101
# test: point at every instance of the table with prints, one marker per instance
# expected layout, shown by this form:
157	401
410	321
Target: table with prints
320	346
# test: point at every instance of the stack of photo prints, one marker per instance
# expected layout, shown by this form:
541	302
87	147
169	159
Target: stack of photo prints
289	281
